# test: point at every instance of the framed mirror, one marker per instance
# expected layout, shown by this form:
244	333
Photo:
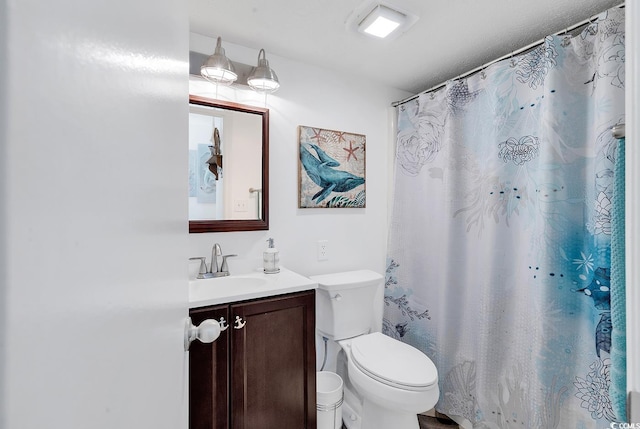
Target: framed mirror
228	166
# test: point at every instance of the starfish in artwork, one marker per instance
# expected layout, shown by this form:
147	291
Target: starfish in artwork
351	151
340	135
316	134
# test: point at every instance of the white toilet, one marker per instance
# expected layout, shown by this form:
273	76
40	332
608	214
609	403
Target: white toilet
387	382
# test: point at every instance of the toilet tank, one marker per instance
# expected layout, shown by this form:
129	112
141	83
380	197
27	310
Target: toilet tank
345	303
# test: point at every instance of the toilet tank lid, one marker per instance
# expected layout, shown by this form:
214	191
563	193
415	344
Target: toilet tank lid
347	279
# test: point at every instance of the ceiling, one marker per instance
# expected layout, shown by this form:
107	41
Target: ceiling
450	38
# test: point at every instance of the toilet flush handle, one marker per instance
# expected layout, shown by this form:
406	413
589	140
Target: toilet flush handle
337	297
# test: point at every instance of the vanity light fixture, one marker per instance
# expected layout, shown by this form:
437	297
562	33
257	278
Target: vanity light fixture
218	68
262	78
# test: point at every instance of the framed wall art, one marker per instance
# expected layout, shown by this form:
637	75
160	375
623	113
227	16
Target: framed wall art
331	170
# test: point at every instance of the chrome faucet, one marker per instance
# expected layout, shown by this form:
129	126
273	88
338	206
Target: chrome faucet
219	270
215	269
215	252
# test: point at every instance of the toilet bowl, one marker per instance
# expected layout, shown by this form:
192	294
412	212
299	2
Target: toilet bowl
394	380
387	381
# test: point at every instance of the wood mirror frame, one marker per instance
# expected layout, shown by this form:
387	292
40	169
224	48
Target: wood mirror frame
197	226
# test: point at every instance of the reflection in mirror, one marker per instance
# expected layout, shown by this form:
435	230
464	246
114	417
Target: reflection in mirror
228	166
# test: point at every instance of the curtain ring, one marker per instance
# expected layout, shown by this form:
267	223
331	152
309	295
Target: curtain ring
566	39
592	29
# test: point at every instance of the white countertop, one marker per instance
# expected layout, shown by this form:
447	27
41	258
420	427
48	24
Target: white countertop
242	287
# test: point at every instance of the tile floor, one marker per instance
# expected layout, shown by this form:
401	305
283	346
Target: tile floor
427	422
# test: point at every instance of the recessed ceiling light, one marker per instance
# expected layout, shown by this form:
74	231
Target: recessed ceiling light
380	20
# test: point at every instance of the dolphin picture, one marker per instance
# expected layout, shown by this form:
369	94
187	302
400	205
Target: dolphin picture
320	171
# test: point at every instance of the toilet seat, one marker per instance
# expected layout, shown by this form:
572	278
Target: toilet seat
393	363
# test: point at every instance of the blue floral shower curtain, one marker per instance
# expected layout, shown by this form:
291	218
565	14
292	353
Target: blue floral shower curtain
499	250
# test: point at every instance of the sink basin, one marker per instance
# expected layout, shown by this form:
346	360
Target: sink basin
233	288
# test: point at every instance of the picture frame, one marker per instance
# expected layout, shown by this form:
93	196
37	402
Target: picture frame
331	168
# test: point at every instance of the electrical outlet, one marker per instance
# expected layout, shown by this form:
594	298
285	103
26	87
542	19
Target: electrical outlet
323	250
240	205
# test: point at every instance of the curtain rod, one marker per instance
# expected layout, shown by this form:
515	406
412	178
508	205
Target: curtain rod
504	57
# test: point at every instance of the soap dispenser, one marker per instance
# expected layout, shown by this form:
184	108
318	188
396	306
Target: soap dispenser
271	259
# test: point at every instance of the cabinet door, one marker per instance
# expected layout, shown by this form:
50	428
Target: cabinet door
209	375
273	378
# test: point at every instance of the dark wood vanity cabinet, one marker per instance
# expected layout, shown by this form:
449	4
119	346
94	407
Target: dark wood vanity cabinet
209	374
260	373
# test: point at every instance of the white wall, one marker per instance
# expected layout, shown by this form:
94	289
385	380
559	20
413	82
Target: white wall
93	223
319	98
4	108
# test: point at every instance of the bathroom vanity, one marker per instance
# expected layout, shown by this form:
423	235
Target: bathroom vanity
260	372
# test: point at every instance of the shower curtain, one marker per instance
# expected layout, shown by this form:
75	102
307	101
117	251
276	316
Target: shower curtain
500	240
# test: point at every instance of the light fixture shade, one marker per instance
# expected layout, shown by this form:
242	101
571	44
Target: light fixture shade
262	78
218	68
382	21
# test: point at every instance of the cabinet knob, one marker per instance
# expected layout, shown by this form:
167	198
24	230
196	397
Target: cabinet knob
239	324
337	297
207	332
